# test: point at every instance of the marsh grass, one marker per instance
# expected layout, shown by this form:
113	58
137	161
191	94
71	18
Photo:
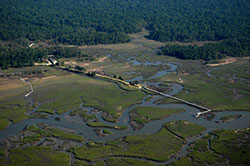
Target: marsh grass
159	146
146	114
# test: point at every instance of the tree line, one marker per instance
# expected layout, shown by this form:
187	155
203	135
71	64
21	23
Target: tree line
89	22
21	57
108	21
229	47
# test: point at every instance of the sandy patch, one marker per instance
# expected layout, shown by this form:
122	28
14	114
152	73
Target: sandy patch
49	77
97	70
101	59
84	64
224	62
227	61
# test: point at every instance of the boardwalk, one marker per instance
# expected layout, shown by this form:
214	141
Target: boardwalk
181	100
206	110
31	88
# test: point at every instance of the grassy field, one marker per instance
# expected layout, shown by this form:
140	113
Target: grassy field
12	114
65	135
13	104
159	146
37	134
127	162
184	129
147	146
83	113
220	147
58	91
221	91
236	153
70	91
46	132
139	47
181	162
49	111
34	155
146	114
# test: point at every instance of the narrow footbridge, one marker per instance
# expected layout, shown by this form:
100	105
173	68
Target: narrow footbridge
31	88
206	110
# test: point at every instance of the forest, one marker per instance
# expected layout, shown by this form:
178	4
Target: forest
90	22
27	56
210	51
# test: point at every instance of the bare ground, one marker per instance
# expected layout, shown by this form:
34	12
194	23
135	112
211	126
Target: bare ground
227	61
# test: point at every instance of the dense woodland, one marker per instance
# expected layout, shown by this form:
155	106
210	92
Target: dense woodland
27	56
88	22
227	47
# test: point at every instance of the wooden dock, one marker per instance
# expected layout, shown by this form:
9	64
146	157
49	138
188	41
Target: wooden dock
31	88
206	110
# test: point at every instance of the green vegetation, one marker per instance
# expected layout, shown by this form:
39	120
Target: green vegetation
147	146
208	52
236	155
127	162
238	69
12	109
220	91
158	146
96	93
99	124
121	68
50	131
227	135
182	162
38	156
46	110
11	114
20	57
146	114
36	129
218	147
83	113
80	163
3	123
65	135
105	22
105	131
2	153
184	128
203	157
32	138
200	145
38	71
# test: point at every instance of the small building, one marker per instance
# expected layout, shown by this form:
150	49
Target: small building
31	44
53	61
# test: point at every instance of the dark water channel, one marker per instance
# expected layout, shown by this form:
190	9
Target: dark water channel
77	124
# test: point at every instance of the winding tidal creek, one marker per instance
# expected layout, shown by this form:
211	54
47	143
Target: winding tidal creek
77	124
